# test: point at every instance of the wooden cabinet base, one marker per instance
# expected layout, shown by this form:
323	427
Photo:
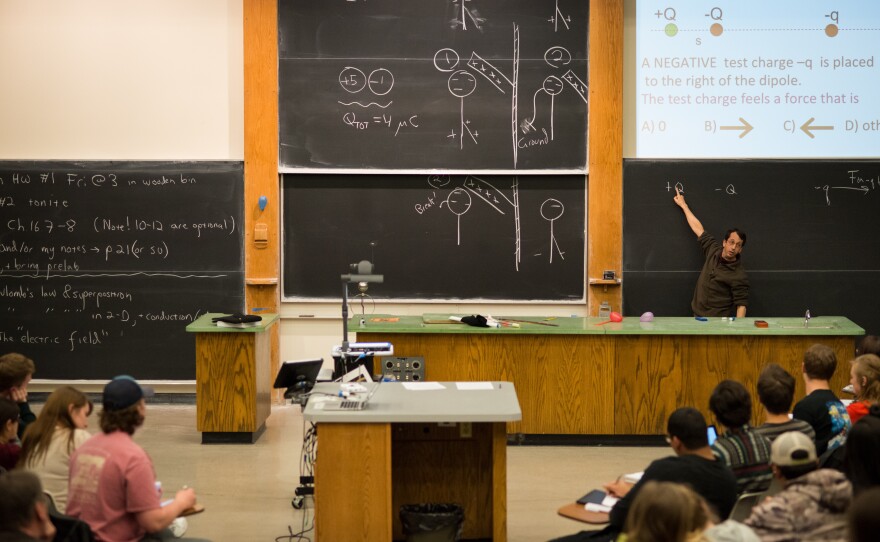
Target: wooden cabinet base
365	472
232	437
611	384
233	384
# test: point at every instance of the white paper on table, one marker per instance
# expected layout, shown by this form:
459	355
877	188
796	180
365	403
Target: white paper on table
633	477
474	385
593	507
423	386
609	501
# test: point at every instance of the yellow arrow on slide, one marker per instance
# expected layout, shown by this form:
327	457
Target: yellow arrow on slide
745	127
808	127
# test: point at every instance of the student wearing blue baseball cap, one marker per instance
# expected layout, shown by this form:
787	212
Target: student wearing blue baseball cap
112	481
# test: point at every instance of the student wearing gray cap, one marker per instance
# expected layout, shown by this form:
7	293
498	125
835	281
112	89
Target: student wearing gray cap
813	504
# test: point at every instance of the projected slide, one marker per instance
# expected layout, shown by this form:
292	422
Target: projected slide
757	79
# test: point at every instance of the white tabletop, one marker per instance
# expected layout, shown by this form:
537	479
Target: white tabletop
394	403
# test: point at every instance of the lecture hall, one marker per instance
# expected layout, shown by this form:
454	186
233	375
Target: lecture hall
373	270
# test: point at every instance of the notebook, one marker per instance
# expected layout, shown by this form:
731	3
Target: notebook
596	497
352	403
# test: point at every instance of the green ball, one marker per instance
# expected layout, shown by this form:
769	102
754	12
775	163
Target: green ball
671	30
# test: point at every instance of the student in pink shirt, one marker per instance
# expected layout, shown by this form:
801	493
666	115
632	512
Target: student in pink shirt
112	482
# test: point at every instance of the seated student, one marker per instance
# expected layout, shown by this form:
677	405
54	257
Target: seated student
112	481
730	531
49	441
15	375
776	393
24	512
10	450
813	504
865	379
740	447
862	454
870	344
666	512
863	516
693	464
821	408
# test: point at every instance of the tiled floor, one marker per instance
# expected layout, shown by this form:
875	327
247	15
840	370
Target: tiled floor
247	489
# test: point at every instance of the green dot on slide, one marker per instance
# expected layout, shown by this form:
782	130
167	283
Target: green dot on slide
671	29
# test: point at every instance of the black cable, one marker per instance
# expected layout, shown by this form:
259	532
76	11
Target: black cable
307	464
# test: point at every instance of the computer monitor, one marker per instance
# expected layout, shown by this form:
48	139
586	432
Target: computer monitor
298	375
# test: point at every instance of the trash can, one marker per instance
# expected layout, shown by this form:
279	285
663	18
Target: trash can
432	522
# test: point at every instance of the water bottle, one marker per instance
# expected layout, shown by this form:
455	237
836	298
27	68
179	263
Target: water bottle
604	310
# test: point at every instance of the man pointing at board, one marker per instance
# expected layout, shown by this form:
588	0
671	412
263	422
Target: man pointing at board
723	286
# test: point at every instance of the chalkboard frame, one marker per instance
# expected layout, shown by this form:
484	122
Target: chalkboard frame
431	190
805	220
141	249
541	54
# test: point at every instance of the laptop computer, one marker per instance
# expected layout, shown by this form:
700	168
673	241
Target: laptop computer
352	403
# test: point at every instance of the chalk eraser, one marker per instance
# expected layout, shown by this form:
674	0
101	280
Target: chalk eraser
701	318
760	323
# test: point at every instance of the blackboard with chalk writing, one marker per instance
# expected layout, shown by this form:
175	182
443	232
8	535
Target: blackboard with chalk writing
427	85
103	264
437	237
811	225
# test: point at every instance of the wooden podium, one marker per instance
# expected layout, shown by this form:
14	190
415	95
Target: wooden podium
233	384
411	447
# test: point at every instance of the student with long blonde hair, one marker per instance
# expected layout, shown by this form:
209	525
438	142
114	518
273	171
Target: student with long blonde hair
51	439
666	512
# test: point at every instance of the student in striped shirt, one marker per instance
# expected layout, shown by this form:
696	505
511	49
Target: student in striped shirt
740	447
776	393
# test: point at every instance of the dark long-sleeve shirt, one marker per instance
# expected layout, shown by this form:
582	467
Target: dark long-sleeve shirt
722	286
27	418
711	479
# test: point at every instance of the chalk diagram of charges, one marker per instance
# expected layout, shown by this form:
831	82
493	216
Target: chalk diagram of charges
462	82
353	80
461	198
716	28
465	14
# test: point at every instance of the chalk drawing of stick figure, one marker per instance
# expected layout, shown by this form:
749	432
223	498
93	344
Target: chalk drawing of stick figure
552	87
462	84
551	210
458	202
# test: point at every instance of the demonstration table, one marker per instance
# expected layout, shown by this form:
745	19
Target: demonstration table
575	377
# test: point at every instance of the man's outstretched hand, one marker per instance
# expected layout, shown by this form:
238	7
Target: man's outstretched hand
679	199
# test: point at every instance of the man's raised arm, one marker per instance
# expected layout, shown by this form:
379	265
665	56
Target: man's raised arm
693	222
